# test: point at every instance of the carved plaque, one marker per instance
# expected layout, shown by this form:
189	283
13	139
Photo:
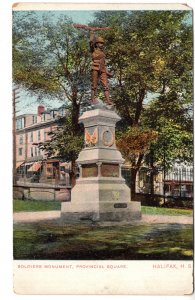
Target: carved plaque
108	137
110	170
120	205
90	170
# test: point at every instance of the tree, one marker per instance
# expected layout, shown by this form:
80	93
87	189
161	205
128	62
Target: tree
134	143
51	59
149	52
175	140
65	144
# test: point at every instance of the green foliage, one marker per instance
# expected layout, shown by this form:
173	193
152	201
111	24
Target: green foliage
150	52
174	143
64	143
50	58
175	134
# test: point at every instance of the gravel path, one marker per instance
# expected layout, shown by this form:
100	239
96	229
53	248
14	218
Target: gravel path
167	219
29	217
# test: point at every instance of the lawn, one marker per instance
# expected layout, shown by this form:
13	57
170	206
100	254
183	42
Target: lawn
128	242
54	240
35	205
148	210
29	205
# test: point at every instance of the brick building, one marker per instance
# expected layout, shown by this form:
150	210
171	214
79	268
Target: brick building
32	164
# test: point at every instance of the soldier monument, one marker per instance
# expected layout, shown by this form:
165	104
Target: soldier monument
100	193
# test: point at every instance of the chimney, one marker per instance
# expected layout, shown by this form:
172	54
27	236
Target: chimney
41	109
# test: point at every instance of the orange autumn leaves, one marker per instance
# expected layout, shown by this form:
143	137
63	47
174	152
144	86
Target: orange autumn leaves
135	141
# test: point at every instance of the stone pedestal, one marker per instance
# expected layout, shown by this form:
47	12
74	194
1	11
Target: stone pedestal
100	193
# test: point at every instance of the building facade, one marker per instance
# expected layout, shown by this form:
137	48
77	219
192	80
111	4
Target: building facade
32	164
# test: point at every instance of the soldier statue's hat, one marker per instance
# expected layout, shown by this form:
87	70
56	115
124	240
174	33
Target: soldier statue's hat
99	39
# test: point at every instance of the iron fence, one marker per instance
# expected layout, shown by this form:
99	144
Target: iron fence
177	183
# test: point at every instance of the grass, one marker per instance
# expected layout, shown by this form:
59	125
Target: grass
54	240
82	241
30	205
166	211
36	205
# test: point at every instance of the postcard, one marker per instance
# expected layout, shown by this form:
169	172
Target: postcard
102	149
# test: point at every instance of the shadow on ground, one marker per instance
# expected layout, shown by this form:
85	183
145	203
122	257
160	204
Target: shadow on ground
49	240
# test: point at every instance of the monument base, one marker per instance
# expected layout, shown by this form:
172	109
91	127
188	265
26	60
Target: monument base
100	199
100	193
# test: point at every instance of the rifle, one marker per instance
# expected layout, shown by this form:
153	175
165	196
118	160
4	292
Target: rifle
90	28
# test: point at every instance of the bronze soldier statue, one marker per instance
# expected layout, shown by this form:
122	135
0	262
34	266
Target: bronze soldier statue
99	71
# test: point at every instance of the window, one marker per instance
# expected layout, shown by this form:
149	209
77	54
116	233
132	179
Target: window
36	151
183	173
21	140
53	114
176	173
62	111
20	123
31	152
43	117
39	135
49	170
31	136
191	174
20	151
34	119
39	151
45	136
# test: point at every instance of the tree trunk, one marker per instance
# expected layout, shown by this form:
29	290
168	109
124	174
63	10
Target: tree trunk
75	129
134	170
73	173
152	186
139	106
152	176
133	183
75	112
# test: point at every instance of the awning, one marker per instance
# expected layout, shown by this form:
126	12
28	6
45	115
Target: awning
18	164
28	163
35	167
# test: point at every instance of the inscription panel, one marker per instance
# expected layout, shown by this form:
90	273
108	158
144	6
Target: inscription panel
90	170
110	170
120	205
